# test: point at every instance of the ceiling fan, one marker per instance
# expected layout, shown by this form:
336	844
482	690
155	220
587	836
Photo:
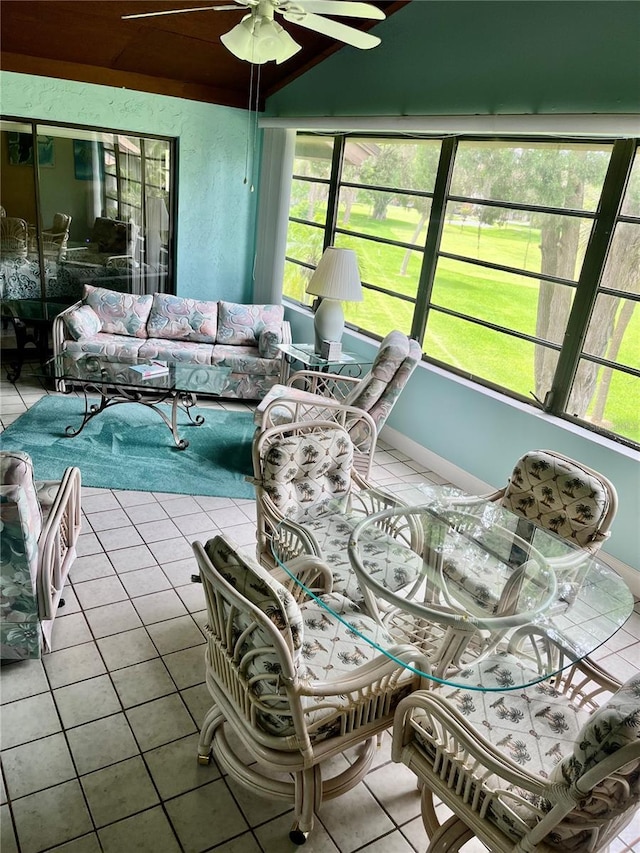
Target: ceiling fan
258	38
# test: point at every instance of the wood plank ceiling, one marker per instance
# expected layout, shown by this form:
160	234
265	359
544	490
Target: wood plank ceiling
178	55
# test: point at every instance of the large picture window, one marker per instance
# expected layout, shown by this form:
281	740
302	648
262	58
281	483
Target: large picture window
514	262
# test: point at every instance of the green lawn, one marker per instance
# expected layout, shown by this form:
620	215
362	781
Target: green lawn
494	296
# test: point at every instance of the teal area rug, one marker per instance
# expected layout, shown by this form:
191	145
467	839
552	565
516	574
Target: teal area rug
129	447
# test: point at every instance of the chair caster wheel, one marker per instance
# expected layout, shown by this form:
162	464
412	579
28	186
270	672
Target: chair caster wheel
297	835
204	759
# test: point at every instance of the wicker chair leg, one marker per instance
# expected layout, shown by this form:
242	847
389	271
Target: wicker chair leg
429	817
451	836
308	797
212	720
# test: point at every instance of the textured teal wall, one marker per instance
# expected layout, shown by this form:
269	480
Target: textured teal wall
454	57
216	210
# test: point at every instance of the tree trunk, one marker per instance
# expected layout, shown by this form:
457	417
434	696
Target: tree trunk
414	237
620	273
559	241
626	313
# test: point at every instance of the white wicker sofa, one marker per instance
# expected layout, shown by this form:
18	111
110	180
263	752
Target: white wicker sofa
124	327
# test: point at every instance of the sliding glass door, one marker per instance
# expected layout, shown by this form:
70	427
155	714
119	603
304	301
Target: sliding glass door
84	206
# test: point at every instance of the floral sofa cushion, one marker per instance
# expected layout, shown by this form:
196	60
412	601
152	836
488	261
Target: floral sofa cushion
268	341
119	313
109	347
243	324
176	352
83	322
179	318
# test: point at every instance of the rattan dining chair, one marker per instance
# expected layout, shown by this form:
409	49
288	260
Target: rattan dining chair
357	403
561	495
553	767
555	493
290	684
14	237
56	238
309	495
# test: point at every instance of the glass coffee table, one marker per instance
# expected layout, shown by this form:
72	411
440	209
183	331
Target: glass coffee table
117	382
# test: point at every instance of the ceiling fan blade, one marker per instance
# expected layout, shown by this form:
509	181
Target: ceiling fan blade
180	11
334	30
344	8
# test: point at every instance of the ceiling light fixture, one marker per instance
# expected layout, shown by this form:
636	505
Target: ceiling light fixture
260	39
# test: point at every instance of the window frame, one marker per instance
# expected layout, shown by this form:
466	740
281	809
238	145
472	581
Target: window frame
604	216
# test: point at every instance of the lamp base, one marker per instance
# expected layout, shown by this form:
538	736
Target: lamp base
328	322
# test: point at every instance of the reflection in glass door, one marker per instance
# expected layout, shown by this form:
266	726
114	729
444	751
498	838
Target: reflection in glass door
97	207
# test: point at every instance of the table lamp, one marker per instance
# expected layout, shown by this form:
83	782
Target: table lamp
336	279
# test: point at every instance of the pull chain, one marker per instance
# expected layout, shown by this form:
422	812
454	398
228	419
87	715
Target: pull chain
252	126
246	158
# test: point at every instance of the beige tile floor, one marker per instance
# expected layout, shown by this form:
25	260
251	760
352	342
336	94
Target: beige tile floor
99	738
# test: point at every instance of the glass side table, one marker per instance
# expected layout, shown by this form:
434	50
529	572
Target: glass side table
305	354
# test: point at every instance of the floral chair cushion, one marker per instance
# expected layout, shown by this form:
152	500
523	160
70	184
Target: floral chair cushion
333	648
558	495
20	634
302	473
16	469
381	409
255	583
119	313
184	319
607	730
388	561
83	322
542	730
243	324
392	352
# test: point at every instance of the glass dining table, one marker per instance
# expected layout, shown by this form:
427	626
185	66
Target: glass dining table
493	601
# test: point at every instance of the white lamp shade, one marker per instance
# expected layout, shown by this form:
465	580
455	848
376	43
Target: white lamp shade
260	40
337	276
336	279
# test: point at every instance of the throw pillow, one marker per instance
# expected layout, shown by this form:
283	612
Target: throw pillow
83	322
268	341
119	313
181	319
242	324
